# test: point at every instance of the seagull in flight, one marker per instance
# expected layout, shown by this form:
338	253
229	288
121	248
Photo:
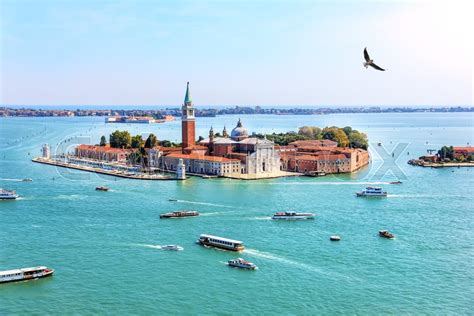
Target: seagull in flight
370	62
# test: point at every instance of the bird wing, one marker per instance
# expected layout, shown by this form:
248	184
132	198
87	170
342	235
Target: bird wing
376	67
366	55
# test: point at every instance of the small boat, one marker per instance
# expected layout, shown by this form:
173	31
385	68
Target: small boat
372	192
292	216
102	188
173	200
379	144
396	182
172	247
25	274
179	214
220	242
334	238
27	180
386	234
8	195
242	264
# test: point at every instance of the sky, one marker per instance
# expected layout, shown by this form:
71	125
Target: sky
259	52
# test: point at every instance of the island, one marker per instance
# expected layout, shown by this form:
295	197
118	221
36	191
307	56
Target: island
446	156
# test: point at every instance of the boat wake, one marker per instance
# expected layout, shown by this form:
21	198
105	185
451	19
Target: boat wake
203	203
12	180
261	218
147	246
330	183
210	214
304	266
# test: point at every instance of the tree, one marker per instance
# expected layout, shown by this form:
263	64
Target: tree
347	130
120	139
446	152
358	140
137	141
336	134
199	139
103	141
151	141
312	132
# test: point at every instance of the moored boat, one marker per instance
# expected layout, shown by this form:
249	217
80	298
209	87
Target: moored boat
25	274
172	247
292	216
220	242
179	214
242	264
372	192
8	194
386	234
102	188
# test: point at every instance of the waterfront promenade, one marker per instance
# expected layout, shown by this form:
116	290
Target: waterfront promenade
114	173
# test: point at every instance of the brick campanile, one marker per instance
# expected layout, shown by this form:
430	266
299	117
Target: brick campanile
187	122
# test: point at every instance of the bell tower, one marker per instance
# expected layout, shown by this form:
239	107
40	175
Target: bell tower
187	122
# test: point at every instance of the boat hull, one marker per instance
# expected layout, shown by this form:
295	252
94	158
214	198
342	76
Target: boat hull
13	197
207	244
292	218
232	265
44	275
362	194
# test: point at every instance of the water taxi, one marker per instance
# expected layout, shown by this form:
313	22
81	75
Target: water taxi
372	192
8	195
242	264
179	214
220	242
102	188
172	247
25	274
386	234
292	216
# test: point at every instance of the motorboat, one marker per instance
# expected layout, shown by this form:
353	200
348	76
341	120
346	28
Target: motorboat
102	188
335	238
292	216
179	214
242	264
396	182
27	180
173	200
172	247
372	192
386	234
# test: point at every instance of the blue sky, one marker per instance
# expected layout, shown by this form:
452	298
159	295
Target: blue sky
235	52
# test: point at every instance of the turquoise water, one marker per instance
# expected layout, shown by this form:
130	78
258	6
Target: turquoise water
103	245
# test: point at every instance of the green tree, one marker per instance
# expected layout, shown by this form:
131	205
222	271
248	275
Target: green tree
347	130
336	134
103	141
151	141
358	140
312	132
137	141
120	139
446	152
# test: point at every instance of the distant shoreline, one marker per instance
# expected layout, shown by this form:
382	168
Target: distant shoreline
160	112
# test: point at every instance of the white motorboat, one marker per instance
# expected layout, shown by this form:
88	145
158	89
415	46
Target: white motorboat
172	247
292	216
8	195
372	192
241	263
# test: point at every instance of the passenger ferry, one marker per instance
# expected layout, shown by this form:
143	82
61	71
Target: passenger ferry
220	242
292	216
8	195
178	214
372	192
241	263
25	274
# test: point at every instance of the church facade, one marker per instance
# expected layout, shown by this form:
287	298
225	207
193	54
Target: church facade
228	155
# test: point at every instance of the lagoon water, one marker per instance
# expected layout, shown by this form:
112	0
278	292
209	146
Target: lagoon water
105	245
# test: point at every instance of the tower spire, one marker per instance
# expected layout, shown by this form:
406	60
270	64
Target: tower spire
187	97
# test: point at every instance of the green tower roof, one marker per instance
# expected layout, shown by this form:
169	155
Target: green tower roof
187	98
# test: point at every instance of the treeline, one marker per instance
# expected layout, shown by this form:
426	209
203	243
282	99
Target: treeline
123	139
447	153
345	137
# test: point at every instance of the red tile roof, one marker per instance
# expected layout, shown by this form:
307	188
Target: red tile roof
466	149
104	149
195	156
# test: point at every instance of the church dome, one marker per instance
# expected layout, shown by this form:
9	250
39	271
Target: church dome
239	132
